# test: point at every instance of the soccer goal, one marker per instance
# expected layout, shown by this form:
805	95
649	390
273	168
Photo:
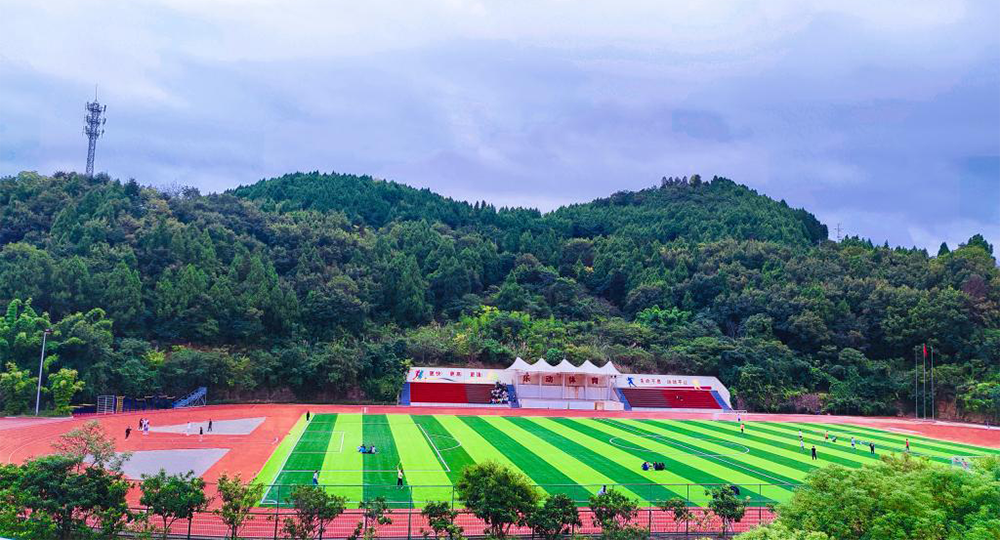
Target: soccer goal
107	404
963	462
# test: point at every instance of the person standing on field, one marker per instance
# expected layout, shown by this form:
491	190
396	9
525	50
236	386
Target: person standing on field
814	453
399	476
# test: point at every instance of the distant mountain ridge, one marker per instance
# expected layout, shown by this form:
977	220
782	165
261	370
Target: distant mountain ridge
678	209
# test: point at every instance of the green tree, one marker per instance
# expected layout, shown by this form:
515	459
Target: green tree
91	441
314	509
374	513
496	494
64	386
55	490
440	518
555	517
17	387
173	497
726	505
614	513
898	497
122	296
238	501
679	509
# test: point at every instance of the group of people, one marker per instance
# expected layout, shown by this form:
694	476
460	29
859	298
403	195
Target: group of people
367	449
656	466
498	395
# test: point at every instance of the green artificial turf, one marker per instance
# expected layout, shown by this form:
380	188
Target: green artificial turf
575	456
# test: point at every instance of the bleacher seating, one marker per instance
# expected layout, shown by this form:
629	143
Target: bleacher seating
423	392
670	398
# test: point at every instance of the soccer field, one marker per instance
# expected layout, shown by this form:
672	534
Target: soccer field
575	456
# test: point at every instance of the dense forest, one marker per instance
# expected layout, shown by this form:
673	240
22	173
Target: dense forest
327	286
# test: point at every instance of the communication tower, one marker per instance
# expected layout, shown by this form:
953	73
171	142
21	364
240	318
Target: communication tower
93	128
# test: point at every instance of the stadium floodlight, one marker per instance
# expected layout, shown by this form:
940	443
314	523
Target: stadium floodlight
41	362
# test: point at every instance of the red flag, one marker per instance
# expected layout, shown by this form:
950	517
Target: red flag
925	350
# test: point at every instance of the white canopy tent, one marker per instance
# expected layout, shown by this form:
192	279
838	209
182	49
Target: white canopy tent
542	380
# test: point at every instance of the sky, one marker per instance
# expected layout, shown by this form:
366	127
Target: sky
882	117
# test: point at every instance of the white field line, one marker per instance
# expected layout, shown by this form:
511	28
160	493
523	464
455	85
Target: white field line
408	471
697	452
668	442
428	437
283	463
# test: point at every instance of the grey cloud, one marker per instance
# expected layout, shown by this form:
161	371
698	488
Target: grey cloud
865	119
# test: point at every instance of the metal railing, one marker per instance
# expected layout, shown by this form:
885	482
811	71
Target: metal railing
267	521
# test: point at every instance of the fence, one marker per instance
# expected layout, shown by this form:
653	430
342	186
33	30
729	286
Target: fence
410	524
267	522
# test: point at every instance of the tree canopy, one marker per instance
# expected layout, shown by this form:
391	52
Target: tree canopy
328	285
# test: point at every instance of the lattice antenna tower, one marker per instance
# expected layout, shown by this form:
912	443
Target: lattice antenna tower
93	128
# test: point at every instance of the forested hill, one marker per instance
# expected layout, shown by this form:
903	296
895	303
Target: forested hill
693	211
317	286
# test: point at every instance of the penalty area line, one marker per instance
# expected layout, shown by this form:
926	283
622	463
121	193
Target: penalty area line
285	462
695	451
434	446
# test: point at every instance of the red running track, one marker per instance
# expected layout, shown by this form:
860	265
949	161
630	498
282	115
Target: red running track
24	438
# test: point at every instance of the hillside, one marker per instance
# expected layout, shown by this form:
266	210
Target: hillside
325	286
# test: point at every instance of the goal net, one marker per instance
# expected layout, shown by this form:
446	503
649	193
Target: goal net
107	404
963	462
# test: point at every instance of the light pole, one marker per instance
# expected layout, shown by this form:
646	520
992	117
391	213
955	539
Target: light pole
41	362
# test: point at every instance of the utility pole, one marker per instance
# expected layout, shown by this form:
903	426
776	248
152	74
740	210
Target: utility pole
41	362
933	409
93	128
916	394
838	232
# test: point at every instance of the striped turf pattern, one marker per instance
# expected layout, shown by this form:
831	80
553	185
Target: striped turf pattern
575	456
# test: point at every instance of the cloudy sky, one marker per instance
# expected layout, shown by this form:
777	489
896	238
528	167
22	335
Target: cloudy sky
881	116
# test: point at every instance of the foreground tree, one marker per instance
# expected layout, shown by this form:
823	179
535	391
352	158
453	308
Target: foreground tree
238	500
52	490
899	497
727	505
613	513
314	509
441	519
555	518
679	508
173	497
91	441
498	495
374	514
